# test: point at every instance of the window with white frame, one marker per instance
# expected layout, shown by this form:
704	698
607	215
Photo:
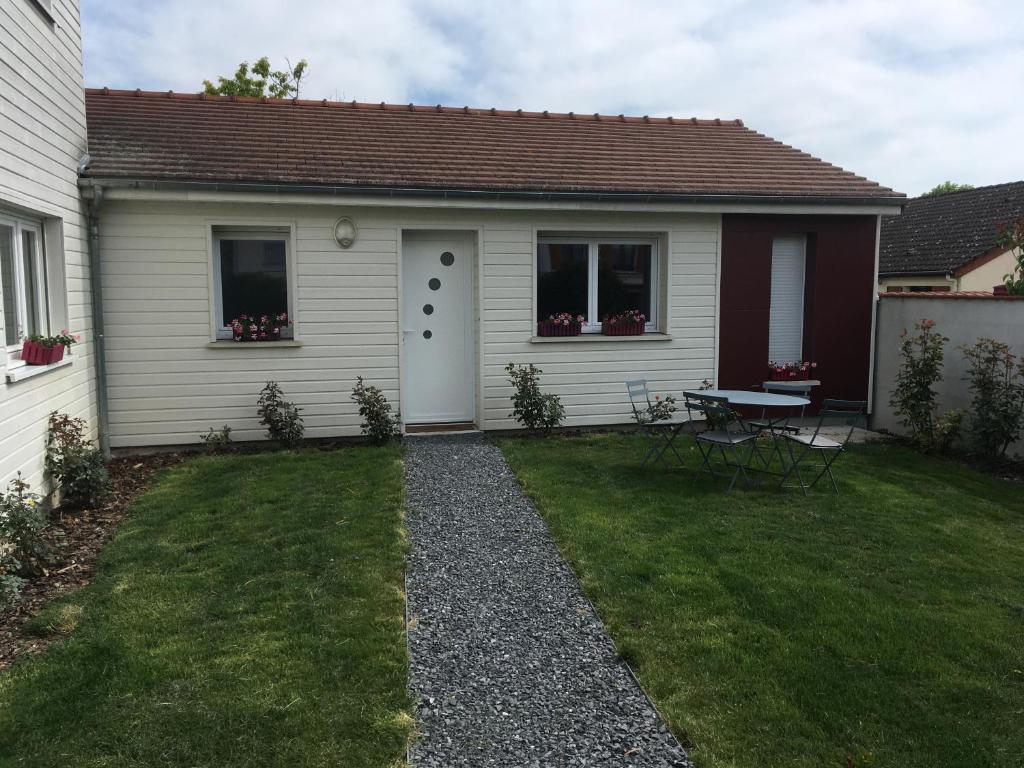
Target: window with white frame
786	315
597	276
250	269
23	282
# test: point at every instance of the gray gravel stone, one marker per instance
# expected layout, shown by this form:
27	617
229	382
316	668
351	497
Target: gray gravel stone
510	666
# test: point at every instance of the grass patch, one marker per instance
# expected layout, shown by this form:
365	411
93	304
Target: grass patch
884	627
248	614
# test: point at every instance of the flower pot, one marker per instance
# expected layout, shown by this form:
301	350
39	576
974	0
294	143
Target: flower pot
550	328
54	354
622	329
34	353
1000	290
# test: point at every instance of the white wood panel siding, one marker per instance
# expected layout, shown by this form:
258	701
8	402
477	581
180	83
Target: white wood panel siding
786	320
42	137
166	385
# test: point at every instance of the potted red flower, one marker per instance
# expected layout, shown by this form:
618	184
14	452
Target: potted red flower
259	327
561	324
798	371
632	322
47	350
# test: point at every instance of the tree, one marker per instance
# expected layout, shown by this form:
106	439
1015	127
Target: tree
1012	238
255	81
946	187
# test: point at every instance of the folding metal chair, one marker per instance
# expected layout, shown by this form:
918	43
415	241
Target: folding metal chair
776	427
660	434
851	413
726	432
765	424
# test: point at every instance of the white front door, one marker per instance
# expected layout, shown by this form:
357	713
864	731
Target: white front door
438	362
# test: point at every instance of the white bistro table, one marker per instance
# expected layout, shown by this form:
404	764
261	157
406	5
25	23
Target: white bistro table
755	399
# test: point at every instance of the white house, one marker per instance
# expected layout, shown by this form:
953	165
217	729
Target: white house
44	268
419	247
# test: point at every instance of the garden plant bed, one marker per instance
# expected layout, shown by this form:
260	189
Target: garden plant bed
75	540
248	612
878	628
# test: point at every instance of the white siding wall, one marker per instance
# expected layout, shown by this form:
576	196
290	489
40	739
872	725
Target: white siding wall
167	385
42	137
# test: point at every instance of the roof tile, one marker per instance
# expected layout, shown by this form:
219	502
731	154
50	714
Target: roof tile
936	235
193	137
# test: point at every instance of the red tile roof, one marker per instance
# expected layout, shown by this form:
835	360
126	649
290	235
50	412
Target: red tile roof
193	137
949	295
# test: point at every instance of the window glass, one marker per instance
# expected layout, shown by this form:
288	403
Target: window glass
562	271
32	276
623	279
254	278
7	284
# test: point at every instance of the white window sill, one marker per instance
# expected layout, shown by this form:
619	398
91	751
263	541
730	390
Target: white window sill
22	372
229	344
599	337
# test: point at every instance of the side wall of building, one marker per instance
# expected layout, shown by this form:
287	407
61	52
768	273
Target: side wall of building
42	138
167	383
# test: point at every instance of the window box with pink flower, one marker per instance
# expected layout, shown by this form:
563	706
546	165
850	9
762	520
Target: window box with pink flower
47	350
561	324
632	322
797	371
247	328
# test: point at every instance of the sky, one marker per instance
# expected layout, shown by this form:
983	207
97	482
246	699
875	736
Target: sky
907	93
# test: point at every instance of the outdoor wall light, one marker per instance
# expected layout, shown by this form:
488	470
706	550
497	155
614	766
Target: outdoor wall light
345	232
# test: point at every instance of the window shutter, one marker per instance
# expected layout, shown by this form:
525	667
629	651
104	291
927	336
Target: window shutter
786	321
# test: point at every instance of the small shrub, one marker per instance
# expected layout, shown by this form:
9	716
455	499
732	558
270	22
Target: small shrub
10	582
947	429
914	397
22	522
75	464
280	417
660	410
996	381
532	408
379	423
217	441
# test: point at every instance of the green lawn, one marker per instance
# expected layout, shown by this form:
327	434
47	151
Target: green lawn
883	628
249	614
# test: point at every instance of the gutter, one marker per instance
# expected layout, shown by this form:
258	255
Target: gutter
482	194
95	201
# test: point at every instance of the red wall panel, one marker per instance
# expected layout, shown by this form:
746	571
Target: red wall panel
838	300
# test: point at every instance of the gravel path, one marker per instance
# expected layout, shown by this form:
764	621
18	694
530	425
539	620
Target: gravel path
510	666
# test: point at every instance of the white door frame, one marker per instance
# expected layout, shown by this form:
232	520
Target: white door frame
474	236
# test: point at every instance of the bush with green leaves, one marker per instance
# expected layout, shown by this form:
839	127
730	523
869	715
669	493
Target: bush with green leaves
217	441
1012	238
22	522
379	423
22	546
531	407
75	464
10	582
914	398
280	417
996	379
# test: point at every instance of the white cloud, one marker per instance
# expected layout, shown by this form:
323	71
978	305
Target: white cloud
907	93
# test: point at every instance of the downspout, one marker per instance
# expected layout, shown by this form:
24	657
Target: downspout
99	336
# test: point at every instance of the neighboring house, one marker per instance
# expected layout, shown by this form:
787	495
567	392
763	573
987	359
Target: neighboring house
418	246
44	273
948	242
